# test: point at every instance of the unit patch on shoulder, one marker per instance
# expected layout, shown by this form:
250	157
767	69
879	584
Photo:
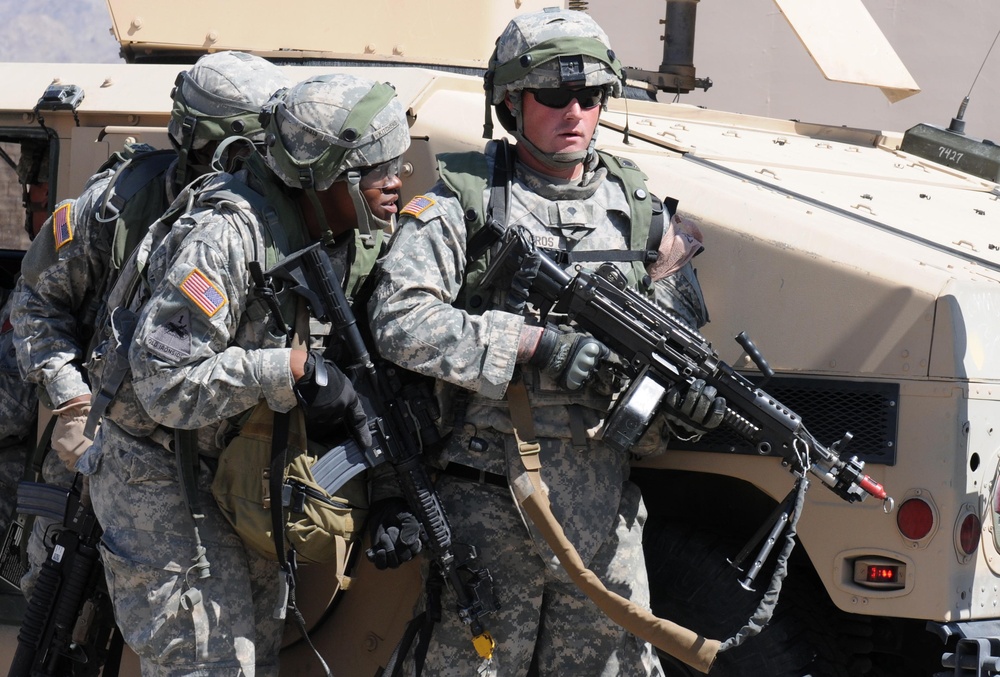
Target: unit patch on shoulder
172	341
205	295
417	205
62	228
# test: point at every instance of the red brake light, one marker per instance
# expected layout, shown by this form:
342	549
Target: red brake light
968	533
915	519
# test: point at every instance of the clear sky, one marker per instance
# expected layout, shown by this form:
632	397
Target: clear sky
56	31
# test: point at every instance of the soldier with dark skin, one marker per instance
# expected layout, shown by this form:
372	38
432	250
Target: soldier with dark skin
207	349
549	78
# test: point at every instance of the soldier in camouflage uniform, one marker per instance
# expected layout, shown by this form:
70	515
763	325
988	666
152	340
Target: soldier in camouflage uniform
18	410
549	77
69	268
207	348
18	402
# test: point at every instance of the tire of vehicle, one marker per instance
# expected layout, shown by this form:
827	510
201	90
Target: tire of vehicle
692	583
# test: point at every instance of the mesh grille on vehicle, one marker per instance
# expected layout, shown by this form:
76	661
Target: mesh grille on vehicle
828	408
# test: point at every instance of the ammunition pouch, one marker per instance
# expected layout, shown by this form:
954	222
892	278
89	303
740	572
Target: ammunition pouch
311	518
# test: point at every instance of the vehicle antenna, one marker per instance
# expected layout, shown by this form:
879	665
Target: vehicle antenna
958	123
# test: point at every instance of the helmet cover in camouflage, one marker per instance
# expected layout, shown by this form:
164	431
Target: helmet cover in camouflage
549	49
324	126
221	96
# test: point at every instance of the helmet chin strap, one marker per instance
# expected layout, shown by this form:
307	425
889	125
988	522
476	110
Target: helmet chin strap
555	161
367	221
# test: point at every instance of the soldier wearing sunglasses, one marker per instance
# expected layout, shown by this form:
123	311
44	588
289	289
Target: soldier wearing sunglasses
548	81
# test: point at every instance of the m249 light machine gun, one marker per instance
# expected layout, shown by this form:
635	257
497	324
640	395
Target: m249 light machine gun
657	351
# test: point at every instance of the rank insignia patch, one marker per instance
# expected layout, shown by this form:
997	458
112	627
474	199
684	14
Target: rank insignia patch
62	228
417	205
205	295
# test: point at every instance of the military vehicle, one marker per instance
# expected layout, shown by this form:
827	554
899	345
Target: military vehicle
861	262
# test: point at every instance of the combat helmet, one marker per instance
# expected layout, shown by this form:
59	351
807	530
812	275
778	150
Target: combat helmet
542	50
219	97
336	127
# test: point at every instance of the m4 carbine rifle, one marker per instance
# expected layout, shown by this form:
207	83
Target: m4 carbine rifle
68	626
657	350
395	428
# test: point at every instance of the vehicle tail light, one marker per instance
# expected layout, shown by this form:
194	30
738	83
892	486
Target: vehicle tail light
915	519
967	537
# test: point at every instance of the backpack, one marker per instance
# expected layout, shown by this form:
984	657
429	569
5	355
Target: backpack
135	197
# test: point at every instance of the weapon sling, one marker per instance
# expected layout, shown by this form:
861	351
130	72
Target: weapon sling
693	649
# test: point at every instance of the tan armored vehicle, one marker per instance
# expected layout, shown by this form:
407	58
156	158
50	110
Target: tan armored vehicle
864	264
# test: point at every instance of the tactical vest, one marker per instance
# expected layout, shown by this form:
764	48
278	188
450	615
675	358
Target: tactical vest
468	176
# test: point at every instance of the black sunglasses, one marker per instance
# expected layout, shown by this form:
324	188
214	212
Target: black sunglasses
560	98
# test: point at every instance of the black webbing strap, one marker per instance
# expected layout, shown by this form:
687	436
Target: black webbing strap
188	467
498	206
275	483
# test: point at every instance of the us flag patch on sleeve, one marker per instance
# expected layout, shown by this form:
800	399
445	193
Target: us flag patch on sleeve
62	228
205	295
417	205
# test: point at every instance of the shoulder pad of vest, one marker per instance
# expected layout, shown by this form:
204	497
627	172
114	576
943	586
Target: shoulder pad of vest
467	175
470	162
620	166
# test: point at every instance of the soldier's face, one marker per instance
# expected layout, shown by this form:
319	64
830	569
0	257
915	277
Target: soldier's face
558	130
382	199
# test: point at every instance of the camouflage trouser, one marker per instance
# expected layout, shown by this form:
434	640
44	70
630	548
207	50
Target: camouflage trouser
540	613
11	469
177	623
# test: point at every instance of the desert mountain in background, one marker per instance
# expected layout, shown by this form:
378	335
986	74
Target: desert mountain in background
56	31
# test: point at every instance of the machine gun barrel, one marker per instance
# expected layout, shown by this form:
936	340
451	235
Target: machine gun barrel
658	350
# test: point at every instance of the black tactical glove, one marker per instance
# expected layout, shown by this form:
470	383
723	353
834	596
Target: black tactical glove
395	534
326	396
696	408
568	356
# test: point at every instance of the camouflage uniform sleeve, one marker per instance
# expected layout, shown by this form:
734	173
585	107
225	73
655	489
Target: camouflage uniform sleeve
60	271
413	319
18	404
197	358
680	293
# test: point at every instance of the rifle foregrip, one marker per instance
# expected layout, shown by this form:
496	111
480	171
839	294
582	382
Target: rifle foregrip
36	617
416	484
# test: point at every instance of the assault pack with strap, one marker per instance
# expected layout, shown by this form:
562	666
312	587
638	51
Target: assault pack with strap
134	199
